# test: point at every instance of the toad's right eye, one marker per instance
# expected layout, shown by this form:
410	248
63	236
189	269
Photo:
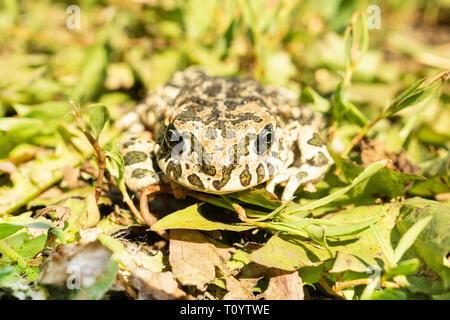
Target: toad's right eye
172	136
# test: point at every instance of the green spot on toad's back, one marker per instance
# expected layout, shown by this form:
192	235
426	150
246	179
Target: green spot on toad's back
316	140
133	157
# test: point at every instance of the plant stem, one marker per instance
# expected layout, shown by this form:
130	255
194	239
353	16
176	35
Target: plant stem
99	154
339	286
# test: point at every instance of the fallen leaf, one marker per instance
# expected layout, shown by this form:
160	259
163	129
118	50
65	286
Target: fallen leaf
248	278
193	257
145	279
284	286
237	290
62	214
373	150
83	263
156	285
70	176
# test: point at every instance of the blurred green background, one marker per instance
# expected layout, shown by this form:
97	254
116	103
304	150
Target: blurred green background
125	48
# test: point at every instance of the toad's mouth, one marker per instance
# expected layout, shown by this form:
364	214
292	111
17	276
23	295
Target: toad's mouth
218	179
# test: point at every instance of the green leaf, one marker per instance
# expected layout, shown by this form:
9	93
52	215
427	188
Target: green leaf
84	213
91	214
438	182
37	176
92	74
12	280
344	108
7	230
388	294
363	176
14	131
25	245
416	93
288	253
115	165
50	112
433	244
309	95
258	197
403	268
11	225
383	182
193	217
5	270
347	261
98	116
279	68
330	228
195	21
400	97
21	247
356	40
385	246
339	231
408	238
368	247
313	274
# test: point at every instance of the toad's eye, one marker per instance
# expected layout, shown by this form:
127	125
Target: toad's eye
264	139
172	136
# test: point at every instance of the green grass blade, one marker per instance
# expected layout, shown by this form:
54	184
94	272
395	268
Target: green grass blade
366	174
409	237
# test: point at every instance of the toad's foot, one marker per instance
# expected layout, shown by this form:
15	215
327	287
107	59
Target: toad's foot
148	217
295	177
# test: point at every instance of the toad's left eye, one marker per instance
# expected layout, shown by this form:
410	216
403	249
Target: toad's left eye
264	139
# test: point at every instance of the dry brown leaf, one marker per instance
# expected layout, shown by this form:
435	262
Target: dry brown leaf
70	176
155	285
62	214
284	285
237	290
251	274
144	284
193	257
372	151
87	260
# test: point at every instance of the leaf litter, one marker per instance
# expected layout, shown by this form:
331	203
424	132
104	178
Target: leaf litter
69	228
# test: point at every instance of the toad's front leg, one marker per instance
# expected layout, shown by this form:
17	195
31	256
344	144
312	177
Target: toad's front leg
139	156
142	174
306	160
